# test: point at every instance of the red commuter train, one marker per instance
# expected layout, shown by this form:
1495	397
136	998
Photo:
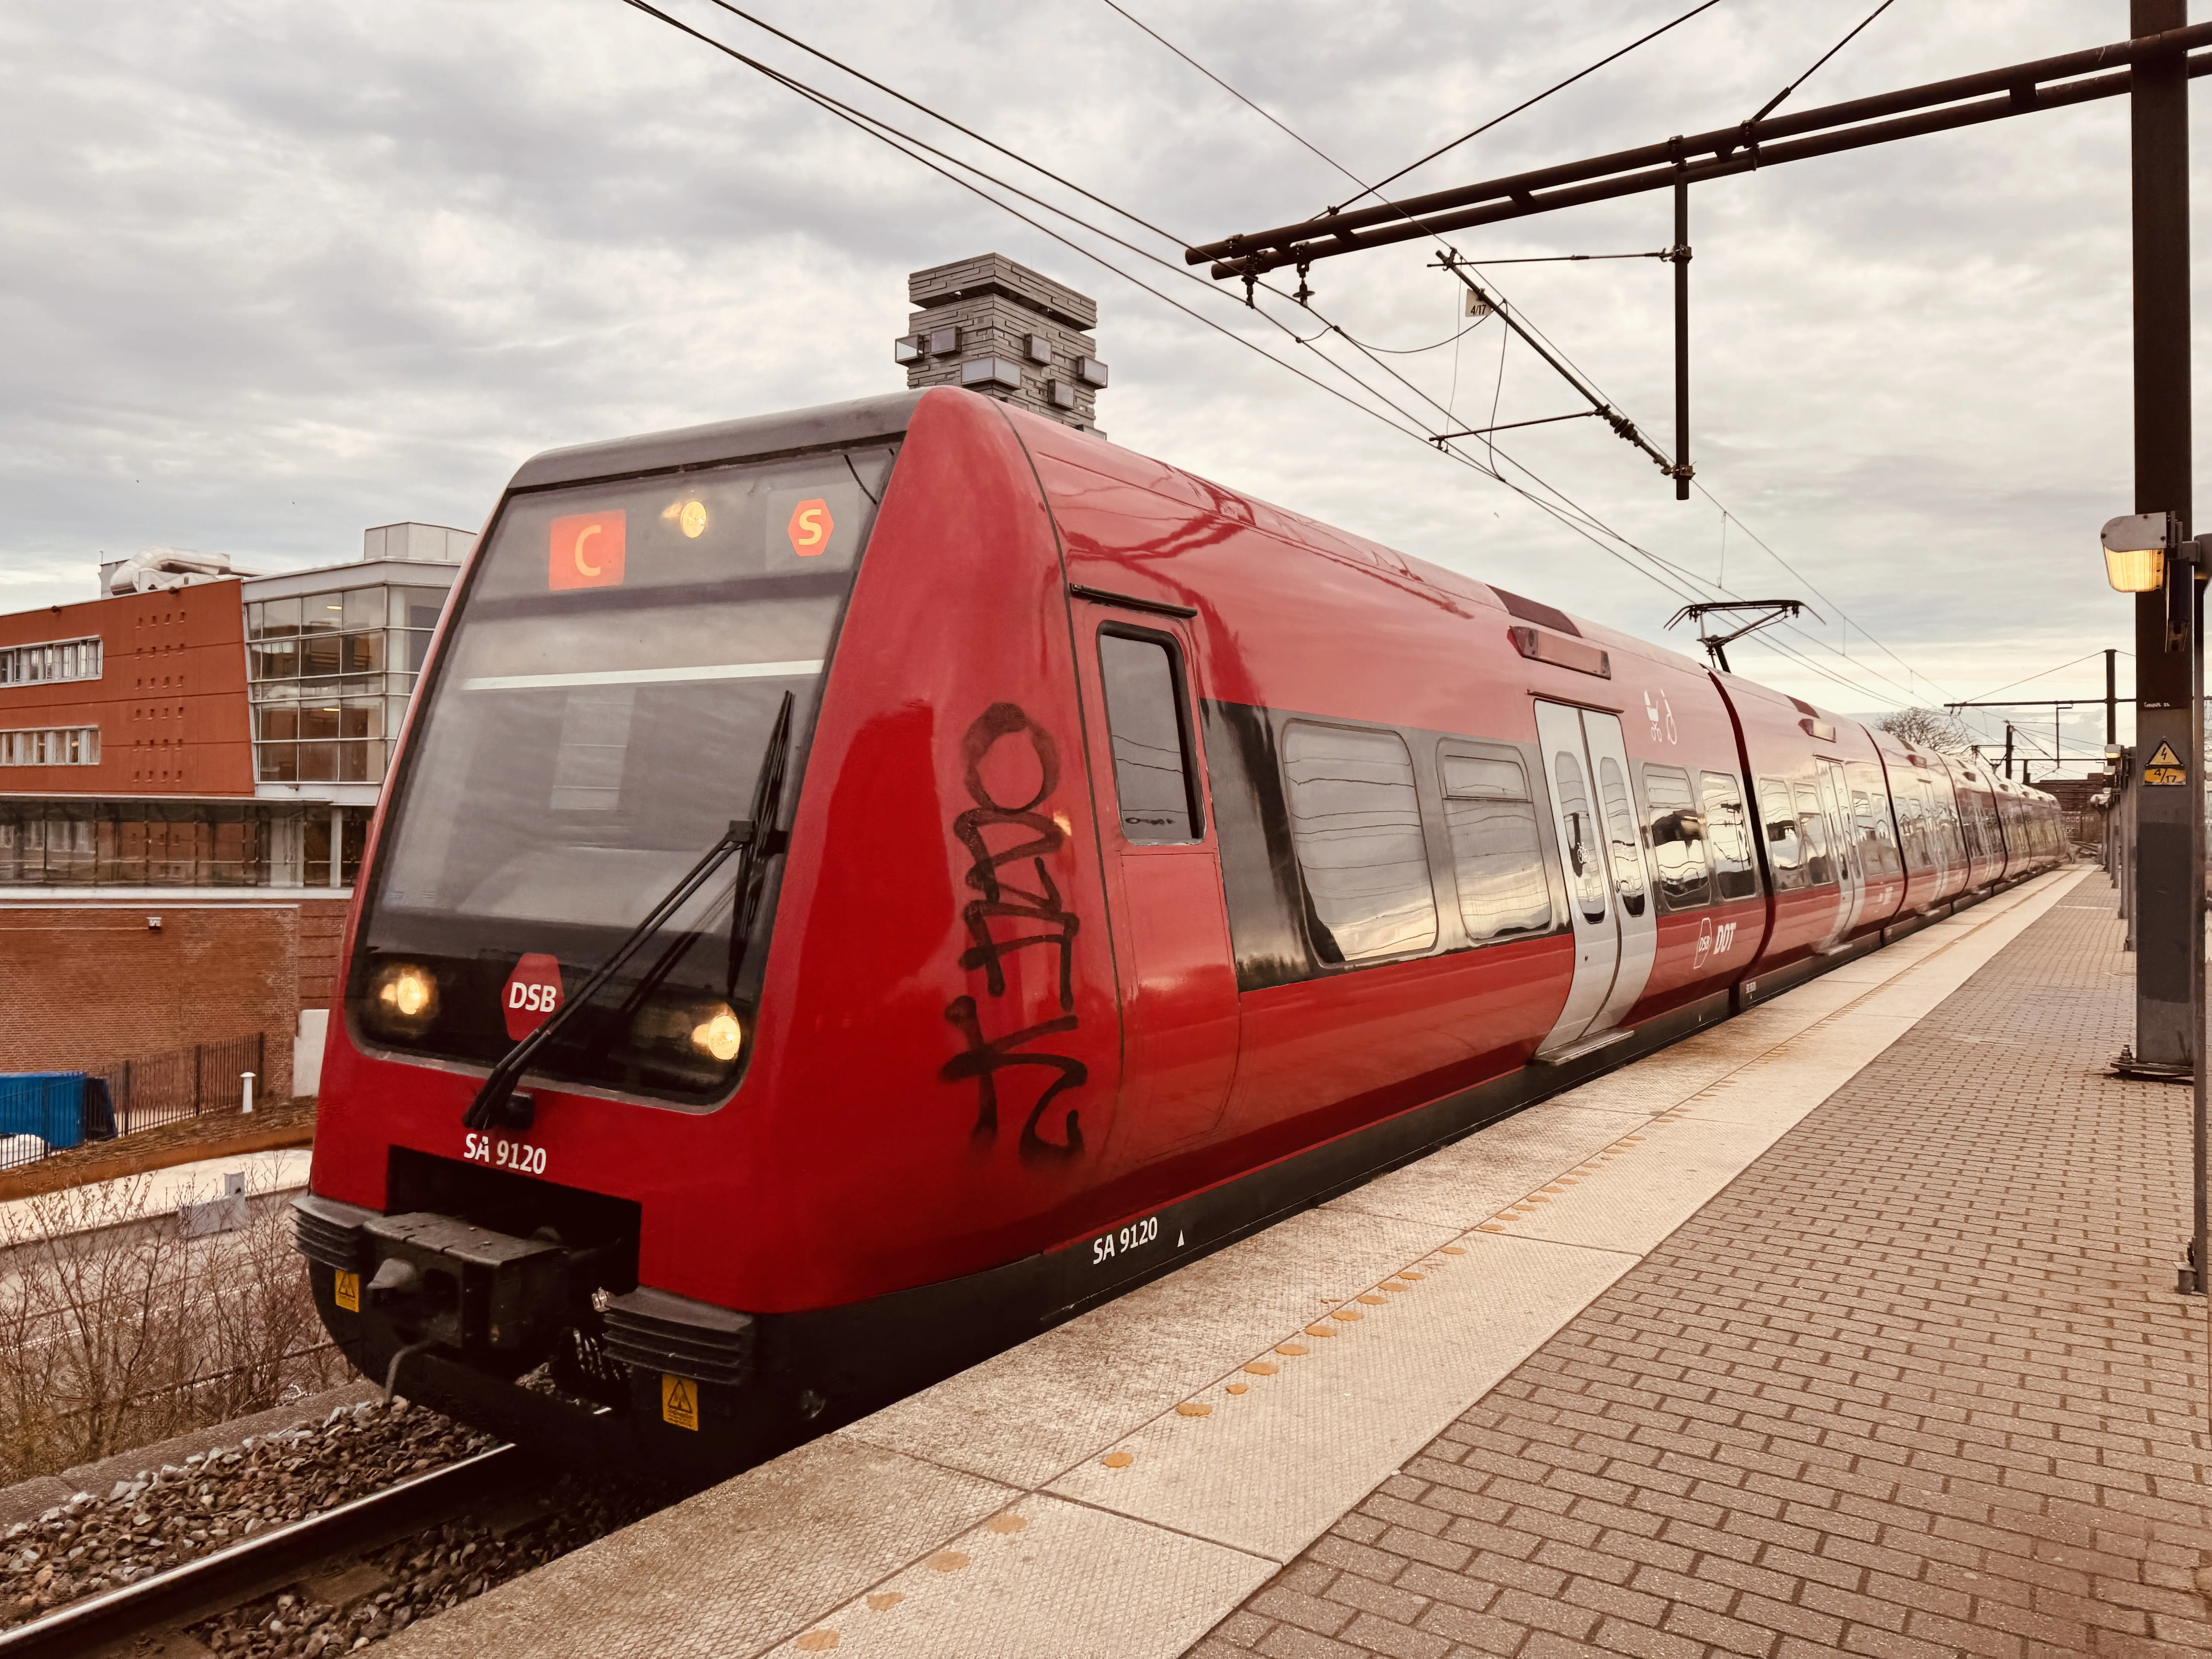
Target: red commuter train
929	869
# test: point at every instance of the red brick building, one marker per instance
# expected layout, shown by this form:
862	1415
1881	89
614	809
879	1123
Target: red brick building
203	749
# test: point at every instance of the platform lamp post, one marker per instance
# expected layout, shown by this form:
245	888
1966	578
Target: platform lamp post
2145	553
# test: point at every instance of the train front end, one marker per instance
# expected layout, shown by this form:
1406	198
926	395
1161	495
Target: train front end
581	850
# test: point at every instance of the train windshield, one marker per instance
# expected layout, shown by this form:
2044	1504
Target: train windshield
599	717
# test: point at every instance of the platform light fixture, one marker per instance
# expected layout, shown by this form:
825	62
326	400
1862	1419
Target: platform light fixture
2134	551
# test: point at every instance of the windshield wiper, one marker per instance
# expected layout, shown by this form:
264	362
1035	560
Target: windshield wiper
757	837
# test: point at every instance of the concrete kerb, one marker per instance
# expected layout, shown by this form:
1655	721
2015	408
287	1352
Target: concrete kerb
1114	1487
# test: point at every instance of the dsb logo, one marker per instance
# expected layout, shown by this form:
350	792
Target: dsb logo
533	992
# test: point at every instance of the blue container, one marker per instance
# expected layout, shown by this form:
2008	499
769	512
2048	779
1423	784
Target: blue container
62	1108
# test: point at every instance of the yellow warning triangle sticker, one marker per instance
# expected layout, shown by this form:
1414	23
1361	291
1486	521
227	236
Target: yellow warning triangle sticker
2165	756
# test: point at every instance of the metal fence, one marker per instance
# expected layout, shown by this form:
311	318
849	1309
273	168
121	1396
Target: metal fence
44	1113
185	1082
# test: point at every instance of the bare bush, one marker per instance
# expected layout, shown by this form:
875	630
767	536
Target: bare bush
117	1328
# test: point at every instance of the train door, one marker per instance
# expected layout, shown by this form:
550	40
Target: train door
1843	838
1177	977
1616	932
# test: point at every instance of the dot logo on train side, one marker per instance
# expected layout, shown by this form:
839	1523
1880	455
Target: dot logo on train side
531	995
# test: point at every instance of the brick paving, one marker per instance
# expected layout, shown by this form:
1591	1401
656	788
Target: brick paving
1916	1383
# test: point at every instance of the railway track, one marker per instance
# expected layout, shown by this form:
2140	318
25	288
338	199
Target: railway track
269	1561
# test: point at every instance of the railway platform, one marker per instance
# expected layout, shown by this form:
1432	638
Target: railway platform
1846	1325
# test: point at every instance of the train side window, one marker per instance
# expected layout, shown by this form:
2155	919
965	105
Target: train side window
1620	834
1877	846
1356	822
1813	822
1497	859
1586	877
1152	748
1785	850
1677	838
1955	834
1911	827
1728	836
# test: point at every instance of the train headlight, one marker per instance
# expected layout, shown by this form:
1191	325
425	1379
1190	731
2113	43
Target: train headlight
719	1035
406	995
690	518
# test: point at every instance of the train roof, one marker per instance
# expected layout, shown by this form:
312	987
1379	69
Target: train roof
833	425
825	427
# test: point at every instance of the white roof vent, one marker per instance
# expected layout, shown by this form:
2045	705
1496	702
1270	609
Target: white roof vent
158	569
424	543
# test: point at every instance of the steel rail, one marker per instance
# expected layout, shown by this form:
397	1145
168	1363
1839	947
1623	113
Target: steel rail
1739	149
254	1565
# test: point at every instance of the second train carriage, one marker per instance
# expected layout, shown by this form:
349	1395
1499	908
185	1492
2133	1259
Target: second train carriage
1147	862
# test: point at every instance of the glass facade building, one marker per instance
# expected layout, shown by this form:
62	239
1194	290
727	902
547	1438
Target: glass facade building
223	731
330	674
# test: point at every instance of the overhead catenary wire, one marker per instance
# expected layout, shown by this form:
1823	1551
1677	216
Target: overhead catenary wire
1539	334
1770	105
1538	492
1257	109
876	128
1376	189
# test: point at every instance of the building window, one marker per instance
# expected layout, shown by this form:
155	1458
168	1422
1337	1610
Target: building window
1356	822
67	745
1496	858
134	844
331	674
58	659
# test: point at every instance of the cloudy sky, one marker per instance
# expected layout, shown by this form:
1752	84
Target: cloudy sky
274	273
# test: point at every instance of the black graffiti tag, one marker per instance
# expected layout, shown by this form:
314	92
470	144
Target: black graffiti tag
998	899
986	1058
1037	907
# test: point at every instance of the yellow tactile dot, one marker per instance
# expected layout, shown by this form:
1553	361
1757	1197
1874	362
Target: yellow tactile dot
947	1561
1371	1299
1005	1523
1118	1460
1263	1367
1293	1349
1409	1275
1319	1330
1193	1408
1555	1188
1453	1249
1238	1388
883	1600
1347	1315
817	1641
1494	1226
